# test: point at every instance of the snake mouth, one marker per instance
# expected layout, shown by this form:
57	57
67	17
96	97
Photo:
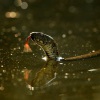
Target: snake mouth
26	45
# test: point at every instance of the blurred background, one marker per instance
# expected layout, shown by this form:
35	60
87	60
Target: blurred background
74	24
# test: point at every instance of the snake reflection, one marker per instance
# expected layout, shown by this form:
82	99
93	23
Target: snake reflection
44	76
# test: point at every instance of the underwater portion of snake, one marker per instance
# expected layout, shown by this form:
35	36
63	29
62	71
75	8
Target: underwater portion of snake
49	46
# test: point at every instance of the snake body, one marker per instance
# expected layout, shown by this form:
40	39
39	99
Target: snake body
49	46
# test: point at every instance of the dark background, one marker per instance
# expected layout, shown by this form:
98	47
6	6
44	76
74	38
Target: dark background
74	24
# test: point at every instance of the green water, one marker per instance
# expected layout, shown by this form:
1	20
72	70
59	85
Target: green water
75	26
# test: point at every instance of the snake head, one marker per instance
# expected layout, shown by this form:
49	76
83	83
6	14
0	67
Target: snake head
46	42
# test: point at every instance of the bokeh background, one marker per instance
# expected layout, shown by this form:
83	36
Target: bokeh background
74	24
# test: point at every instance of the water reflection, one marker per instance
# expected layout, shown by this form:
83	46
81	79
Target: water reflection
52	80
46	75
12	15
75	25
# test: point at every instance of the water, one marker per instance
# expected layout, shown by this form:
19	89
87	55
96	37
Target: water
76	31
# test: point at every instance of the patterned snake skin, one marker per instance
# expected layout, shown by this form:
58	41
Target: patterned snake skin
47	43
49	46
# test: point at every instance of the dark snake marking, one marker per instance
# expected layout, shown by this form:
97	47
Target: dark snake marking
47	43
49	46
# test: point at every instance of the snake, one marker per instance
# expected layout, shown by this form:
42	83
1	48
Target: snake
50	47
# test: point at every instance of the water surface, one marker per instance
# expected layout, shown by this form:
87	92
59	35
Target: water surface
76	31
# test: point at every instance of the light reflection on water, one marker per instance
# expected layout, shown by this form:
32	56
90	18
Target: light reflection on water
75	31
28	76
51	79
